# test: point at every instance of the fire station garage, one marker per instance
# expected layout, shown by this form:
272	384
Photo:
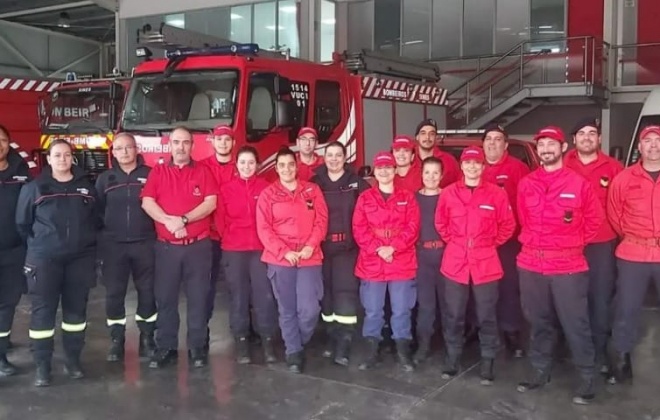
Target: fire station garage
268	74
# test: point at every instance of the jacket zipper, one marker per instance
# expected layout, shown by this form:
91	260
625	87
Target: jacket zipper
128	207
68	218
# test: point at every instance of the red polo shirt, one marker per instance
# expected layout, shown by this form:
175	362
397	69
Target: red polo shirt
222	173
178	191
305	171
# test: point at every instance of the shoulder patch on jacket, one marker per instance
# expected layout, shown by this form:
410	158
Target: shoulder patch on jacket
142	180
20	178
84	191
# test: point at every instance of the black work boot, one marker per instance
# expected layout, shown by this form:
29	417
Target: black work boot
343	341
450	369
486	371
72	363
403	355
163	357
537	380
586	392
147	345
116	352
6	368
622	369
373	355
295	362
198	357
269	350
330	340
513	344
42	375
207	342
242	351
422	353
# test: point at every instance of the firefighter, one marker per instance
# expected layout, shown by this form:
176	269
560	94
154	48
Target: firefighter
14	174
180	197
506	172
307	159
408	176
292	220
559	214
386	227
426	136
341	187
235	219
223	168
429	254
57	214
473	217
127	247
599	169
634	212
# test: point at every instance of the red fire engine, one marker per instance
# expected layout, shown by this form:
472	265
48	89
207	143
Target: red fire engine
360	99
85	112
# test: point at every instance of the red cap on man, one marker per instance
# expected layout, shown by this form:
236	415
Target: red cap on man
307	130
648	130
223	130
473	153
384	159
403	142
551	132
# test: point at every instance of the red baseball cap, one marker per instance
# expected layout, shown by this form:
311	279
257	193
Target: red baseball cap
383	159
223	130
403	142
308	130
551	132
648	130
473	153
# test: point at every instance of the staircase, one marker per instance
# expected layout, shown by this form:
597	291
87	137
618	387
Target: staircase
525	78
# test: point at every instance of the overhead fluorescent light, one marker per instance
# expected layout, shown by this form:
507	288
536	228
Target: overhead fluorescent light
551	32
328	21
235	16
179	23
288	9
417	41
272	27
545	27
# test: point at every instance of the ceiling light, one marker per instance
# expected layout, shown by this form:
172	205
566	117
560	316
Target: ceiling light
272	27
288	9
328	21
64	20
235	16
179	23
545	27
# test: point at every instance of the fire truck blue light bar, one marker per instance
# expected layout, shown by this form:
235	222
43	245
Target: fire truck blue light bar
234	49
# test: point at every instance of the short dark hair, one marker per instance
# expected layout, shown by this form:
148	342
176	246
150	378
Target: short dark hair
336	144
285	151
432	160
5	130
58	142
248	149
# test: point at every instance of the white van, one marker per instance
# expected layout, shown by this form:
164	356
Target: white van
650	115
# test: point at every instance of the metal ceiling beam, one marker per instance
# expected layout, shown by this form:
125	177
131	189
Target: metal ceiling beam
75	62
112	5
20	55
47	9
47	32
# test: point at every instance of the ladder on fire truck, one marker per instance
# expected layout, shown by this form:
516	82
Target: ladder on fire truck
368	62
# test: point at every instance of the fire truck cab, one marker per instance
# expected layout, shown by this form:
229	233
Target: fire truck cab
360	100
85	112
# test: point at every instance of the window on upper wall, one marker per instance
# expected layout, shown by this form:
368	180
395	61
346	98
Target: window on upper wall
446	22
178	20
387	27
287	26
478	25
241	23
327	108
265	31
327	30
548	22
416	29
511	24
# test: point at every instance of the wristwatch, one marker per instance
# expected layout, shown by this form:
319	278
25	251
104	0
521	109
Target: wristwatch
184	219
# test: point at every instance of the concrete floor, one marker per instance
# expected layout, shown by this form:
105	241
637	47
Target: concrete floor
227	391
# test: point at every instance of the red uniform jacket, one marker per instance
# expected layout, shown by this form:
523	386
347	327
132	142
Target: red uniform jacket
222	172
236	214
288	221
395	223
600	174
559	214
412	181
473	224
506	174
451	171
633	208
305	171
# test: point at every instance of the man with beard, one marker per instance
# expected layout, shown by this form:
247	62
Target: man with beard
559	214
599	169
634	210
506	171
426	136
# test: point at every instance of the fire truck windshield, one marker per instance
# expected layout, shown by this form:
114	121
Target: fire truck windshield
77	110
199	100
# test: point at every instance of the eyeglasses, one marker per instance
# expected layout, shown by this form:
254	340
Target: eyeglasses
122	149
309	139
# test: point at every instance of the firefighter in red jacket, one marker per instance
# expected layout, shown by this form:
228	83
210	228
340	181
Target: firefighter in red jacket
408	175
559	214
236	221
599	169
426	136
633	208
386	227
223	168
505	171
307	158
292	221
473	217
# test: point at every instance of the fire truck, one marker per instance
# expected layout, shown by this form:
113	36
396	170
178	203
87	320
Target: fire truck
361	100
85	112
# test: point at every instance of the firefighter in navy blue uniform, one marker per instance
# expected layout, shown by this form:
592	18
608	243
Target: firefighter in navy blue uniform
341	187
58	215
13	175
127	246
